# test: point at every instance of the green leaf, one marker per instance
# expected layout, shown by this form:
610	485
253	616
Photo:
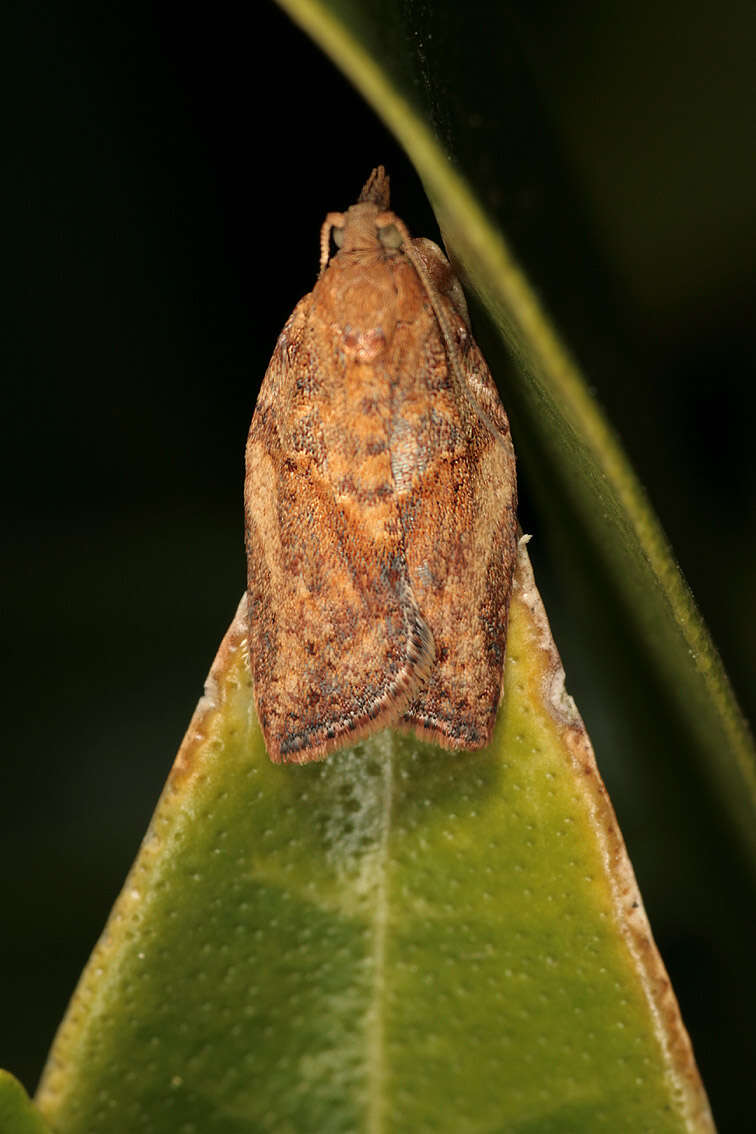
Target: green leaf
398	939
383	49
18	1115
403	939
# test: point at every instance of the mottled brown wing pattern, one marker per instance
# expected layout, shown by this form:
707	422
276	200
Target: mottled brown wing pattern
336	642
461	560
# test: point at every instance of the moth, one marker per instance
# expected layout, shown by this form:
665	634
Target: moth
380	503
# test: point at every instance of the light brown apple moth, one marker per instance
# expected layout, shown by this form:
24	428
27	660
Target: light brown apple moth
380	502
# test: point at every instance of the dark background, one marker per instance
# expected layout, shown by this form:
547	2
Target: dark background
165	176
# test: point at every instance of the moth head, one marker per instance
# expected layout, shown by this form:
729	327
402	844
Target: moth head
388	235
364	228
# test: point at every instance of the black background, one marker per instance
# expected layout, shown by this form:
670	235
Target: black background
165	176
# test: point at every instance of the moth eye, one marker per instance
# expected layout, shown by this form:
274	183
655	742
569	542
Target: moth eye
390	236
338	236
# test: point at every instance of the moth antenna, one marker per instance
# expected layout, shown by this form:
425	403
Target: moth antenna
431	290
333	220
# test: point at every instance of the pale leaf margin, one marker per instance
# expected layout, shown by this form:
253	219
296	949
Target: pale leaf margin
630	915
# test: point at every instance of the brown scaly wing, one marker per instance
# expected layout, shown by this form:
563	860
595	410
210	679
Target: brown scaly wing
337	645
461	562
